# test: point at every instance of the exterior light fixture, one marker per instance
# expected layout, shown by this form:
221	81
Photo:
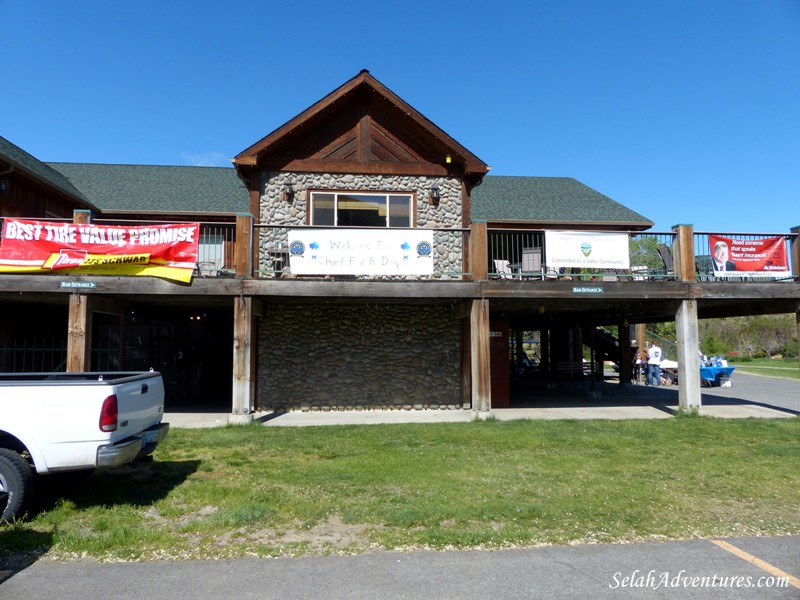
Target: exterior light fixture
3	186
288	192
448	159
435	196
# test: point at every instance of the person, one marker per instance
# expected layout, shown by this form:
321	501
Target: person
654	364
721	261
646	363
637	368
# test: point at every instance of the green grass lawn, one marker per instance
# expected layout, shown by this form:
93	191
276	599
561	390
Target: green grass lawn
789	369
275	491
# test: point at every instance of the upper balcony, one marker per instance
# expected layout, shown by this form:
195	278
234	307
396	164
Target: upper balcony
254	252
481	254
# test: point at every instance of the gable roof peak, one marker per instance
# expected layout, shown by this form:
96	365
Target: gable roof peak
353	109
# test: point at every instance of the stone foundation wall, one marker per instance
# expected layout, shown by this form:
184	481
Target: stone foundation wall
363	357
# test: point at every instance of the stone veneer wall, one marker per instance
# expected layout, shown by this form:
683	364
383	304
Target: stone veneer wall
448	245
363	357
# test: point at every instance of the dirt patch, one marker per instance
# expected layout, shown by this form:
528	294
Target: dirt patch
332	534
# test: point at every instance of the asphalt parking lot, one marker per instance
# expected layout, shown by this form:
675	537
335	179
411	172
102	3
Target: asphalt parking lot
753	568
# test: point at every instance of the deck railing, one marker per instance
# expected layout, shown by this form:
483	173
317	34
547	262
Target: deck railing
519	253
522	254
704	251
217	248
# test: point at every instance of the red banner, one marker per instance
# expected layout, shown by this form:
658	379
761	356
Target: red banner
168	251
764	257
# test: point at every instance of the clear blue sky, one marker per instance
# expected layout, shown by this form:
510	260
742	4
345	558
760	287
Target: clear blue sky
687	111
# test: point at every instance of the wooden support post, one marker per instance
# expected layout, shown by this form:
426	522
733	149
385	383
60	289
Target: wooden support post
480	357
797	325
545	364
244	347
795	249
243	252
79	334
79	330
689	396
81	216
478	255
466	364
796	253
625	358
255	211
641	338
683	253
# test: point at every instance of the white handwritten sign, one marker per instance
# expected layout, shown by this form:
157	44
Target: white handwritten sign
361	251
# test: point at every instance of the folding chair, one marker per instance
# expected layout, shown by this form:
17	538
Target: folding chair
503	269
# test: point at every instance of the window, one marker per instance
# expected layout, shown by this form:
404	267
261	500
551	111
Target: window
350	209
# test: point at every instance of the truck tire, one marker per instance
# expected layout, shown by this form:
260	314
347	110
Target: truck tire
16	484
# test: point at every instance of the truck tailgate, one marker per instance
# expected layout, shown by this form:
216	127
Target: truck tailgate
140	404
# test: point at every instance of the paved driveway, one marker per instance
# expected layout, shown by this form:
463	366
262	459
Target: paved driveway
750	396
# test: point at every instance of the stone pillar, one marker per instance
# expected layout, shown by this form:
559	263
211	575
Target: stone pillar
689	397
244	360
481	380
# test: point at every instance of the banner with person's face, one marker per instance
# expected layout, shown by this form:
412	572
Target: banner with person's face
159	250
763	257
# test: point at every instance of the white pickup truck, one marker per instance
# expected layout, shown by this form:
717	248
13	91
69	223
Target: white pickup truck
73	422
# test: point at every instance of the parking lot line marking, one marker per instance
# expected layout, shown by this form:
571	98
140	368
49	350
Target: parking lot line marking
772	570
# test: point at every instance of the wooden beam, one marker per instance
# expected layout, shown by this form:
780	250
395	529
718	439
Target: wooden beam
81	216
466	363
244	348
354	167
684	253
625	358
689	396
480	363
243	251
477	252
79	334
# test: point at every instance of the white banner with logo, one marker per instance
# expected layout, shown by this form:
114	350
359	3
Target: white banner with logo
586	250
361	251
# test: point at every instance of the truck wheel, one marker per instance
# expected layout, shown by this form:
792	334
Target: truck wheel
16	484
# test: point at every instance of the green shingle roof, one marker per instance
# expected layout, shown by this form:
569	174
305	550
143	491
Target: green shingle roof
547	200
199	190
167	189
26	162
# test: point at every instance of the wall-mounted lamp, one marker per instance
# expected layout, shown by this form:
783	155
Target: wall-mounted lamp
435	197
3	186
288	192
448	159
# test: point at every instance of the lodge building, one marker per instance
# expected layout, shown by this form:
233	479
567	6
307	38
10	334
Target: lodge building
358	257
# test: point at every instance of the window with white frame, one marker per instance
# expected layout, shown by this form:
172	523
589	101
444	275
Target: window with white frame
361	209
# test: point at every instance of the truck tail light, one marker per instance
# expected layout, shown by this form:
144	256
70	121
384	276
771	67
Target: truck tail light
109	413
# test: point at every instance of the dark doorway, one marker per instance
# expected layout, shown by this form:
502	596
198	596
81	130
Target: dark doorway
191	348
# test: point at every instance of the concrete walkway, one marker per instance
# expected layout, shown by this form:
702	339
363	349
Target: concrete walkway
750	396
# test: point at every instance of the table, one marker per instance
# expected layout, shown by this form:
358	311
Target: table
716	376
